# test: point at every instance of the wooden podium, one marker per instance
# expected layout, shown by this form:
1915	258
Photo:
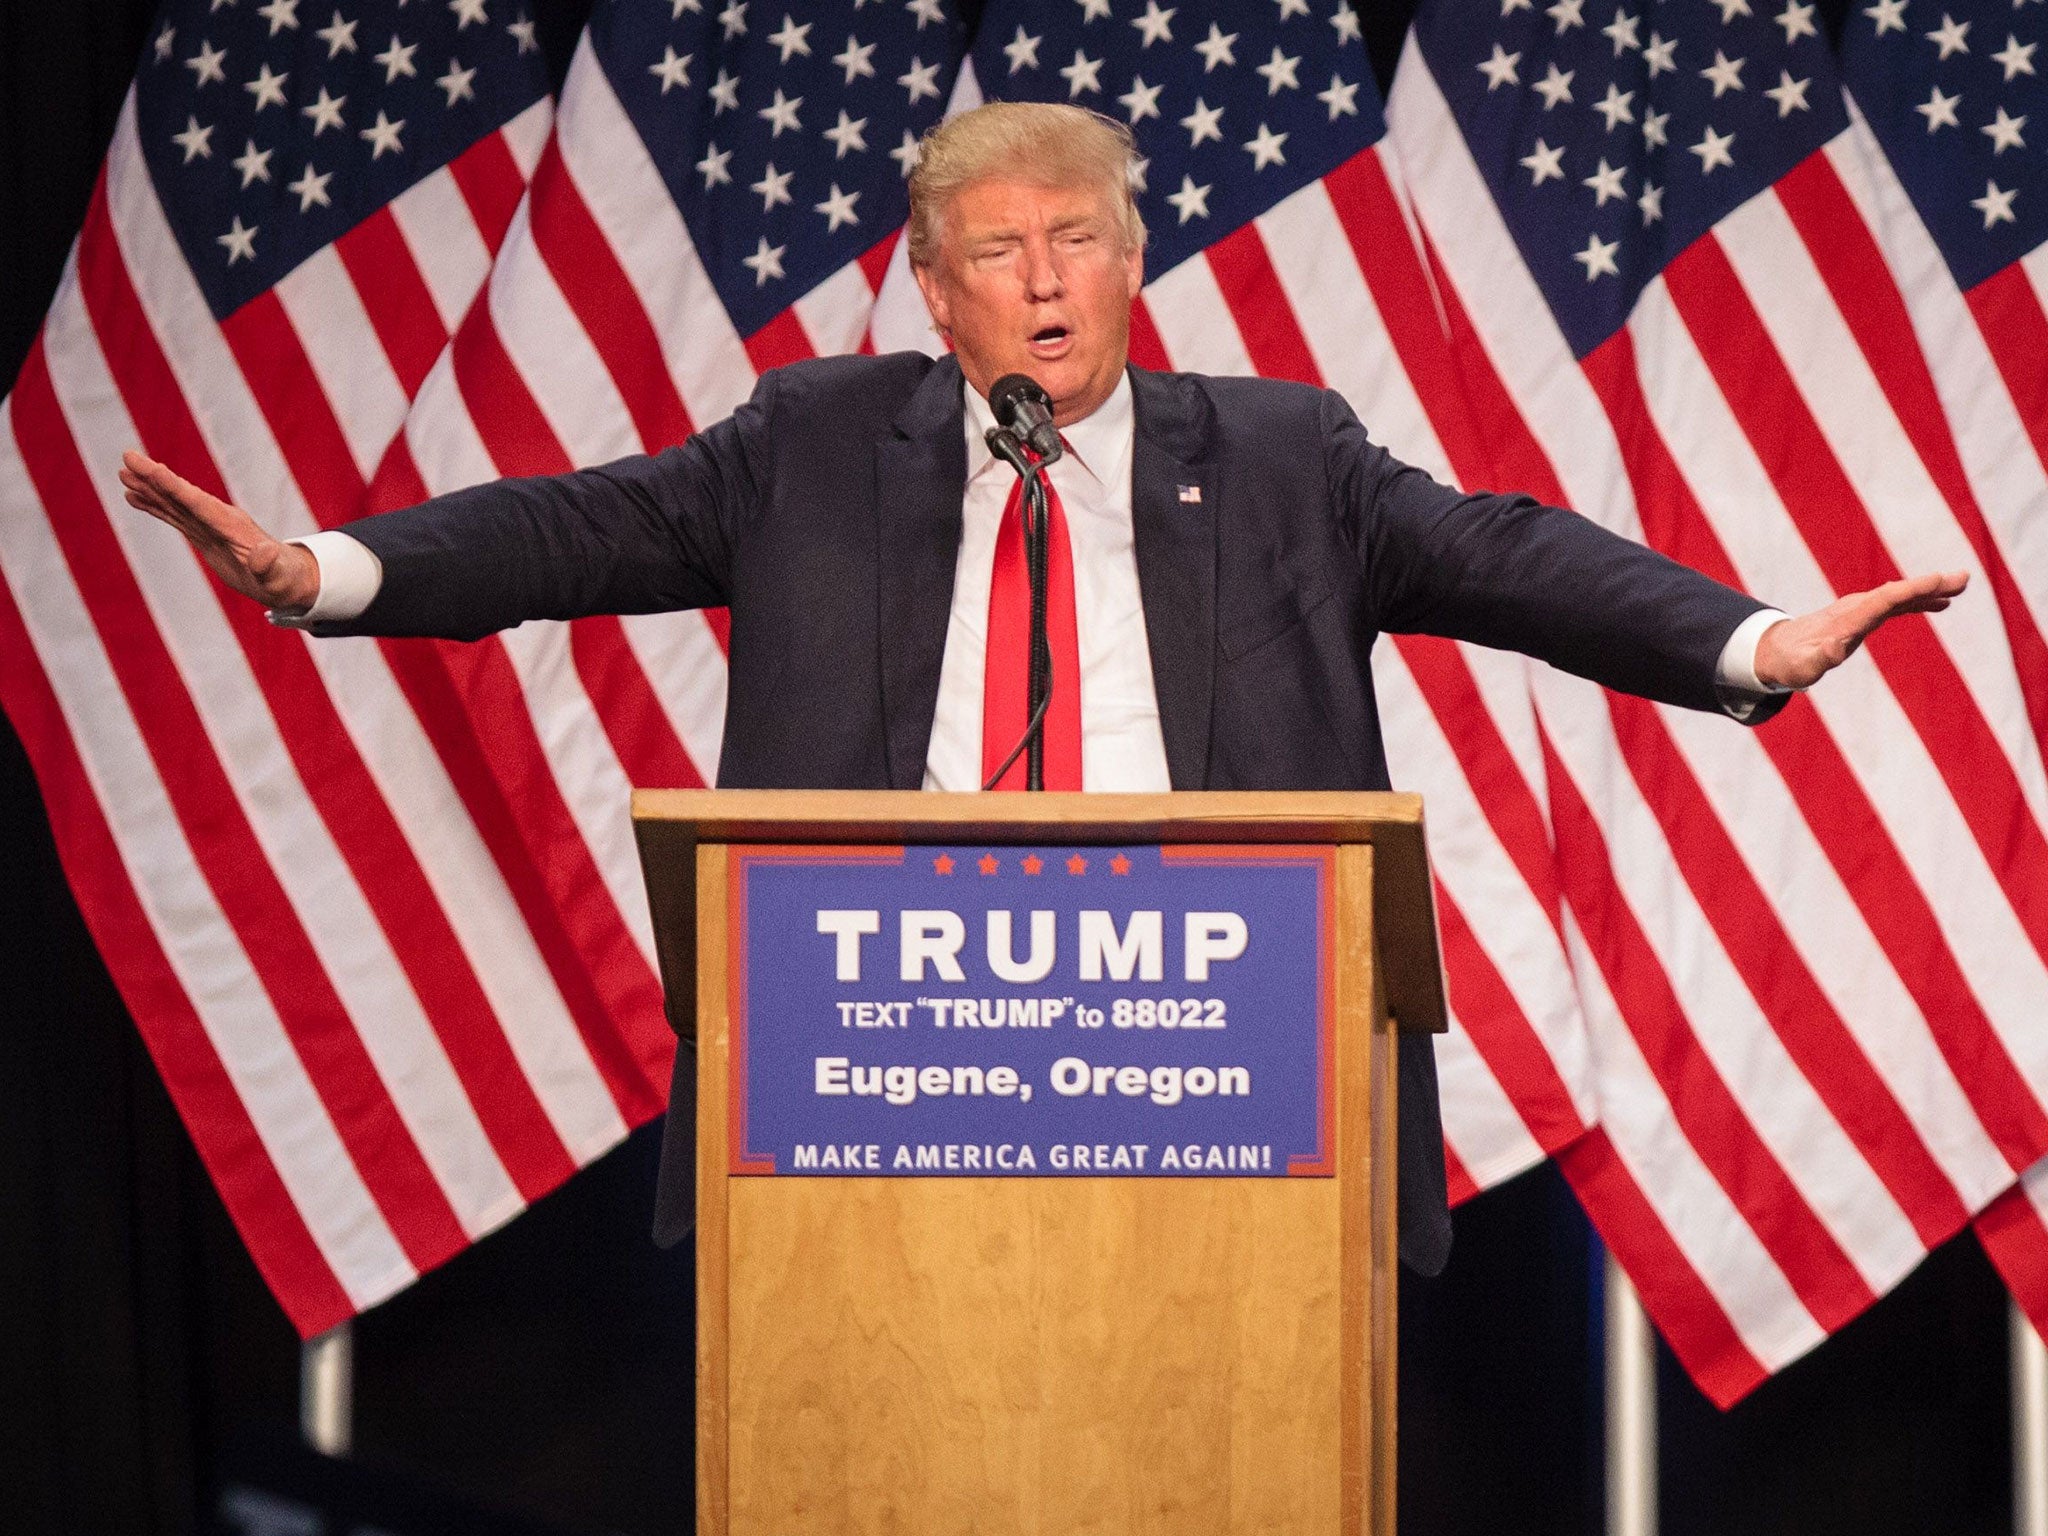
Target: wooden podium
1051	1355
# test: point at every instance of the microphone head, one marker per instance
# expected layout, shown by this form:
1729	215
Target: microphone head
1021	404
1013	390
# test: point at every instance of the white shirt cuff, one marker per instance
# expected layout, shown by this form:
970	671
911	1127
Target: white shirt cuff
350	578
1735	674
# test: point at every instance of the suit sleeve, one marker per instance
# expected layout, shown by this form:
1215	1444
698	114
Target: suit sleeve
646	534
1514	574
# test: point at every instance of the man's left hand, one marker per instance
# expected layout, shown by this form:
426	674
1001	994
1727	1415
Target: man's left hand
1797	653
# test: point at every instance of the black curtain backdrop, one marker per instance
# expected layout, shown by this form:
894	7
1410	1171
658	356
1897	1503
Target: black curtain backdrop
541	1381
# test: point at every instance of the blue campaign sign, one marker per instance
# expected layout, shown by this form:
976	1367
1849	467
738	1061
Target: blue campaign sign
1048	1012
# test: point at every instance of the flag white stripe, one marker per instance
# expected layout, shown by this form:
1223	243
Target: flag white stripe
1789	1118
1510	925
329	906
834	315
1717	1242
1481	1124
327	315
446	245
1778	274
1195	322
198	941
2002	464
554	355
625	194
683	661
1887	757
1342	325
526	135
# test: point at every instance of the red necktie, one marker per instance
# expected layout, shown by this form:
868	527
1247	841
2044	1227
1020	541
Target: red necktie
1005	677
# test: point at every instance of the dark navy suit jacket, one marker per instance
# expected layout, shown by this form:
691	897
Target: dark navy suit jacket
826	514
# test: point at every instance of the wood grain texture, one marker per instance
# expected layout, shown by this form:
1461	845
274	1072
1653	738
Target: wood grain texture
1034	1356
714	1042
1050	1355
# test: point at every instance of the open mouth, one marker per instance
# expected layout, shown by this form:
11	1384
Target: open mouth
1050	341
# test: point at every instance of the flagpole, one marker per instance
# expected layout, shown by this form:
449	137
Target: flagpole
1631	1362
2029	1424
327	1390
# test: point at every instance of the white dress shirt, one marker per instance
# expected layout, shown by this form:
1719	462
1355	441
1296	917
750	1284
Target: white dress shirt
1122	746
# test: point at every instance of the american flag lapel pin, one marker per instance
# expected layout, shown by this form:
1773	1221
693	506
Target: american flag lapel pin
1191	494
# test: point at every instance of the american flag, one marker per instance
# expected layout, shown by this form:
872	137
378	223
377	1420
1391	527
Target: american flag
1945	100
1279	245
1810	958
295	212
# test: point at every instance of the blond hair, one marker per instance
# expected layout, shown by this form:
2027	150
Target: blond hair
1045	143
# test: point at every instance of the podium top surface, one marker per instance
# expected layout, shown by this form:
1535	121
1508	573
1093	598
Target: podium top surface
1404	911
912	815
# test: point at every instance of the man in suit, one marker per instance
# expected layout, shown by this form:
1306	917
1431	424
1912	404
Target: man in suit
1224	553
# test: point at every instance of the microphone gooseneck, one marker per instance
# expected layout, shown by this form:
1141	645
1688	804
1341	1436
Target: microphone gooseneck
1009	444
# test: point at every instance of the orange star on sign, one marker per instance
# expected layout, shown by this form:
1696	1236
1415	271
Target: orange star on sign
989	864
1033	864
1119	865
943	864
1077	865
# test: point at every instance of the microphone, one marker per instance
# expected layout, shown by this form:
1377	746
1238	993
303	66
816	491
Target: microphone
1021	404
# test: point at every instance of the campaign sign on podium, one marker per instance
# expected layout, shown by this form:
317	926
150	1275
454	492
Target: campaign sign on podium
1031	1011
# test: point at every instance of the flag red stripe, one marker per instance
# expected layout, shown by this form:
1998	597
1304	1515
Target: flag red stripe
1846	254
1831	799
289	394
226	1139
521	442
1708	1114
2016	330
1505	798
628	1032
1259	305
1822	501
566	907
394	295
507	418
1146	349
230	857
639	729
1370	215
331	770
491	183
2015	1241
1511	450
606	304
1800	1015
781	340
1501	1033
874	261
1460	1185
1685	1311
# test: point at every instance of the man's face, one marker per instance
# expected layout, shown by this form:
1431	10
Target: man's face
1032	279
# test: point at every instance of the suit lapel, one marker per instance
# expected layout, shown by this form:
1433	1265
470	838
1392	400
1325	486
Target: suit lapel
920	476
1173	513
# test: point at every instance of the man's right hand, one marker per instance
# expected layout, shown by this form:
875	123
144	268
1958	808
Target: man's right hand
235	549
